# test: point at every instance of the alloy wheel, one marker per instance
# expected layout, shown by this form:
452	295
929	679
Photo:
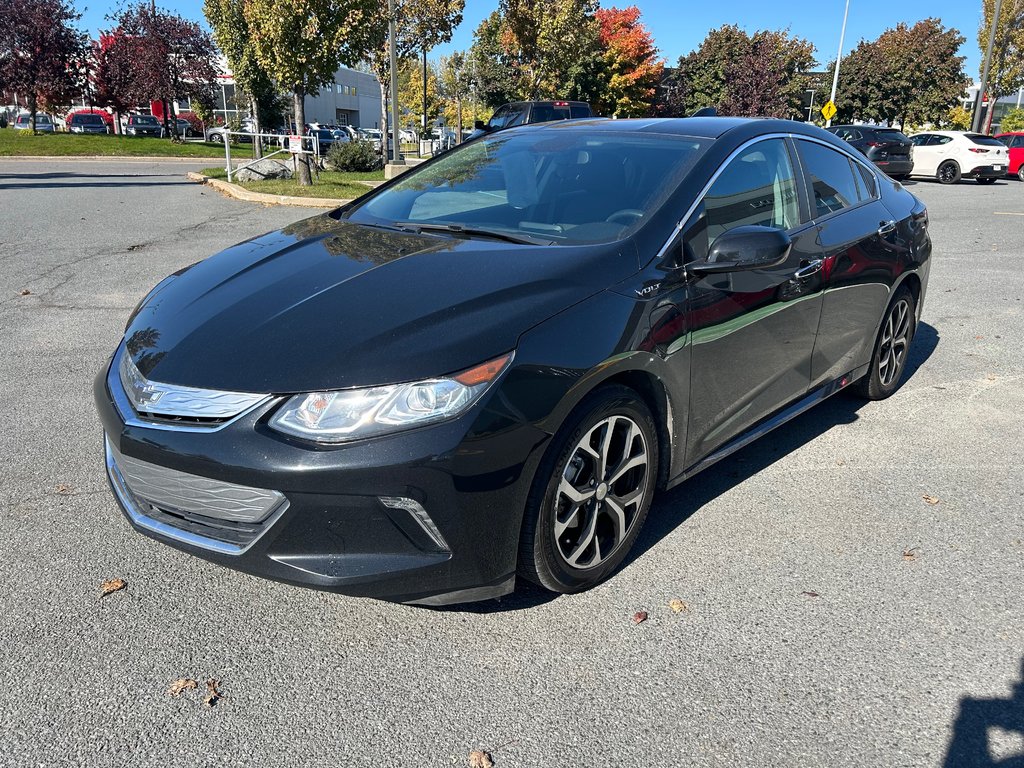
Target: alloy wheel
601	492
892	348
947	173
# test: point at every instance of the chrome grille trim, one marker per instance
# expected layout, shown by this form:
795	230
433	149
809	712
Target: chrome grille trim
124	471
151	419
159	399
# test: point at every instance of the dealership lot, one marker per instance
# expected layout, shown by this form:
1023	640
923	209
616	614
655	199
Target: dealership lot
834	616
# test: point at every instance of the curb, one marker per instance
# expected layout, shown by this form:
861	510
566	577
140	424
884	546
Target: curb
108	158
240	193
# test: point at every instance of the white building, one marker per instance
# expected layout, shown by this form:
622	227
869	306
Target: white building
352	99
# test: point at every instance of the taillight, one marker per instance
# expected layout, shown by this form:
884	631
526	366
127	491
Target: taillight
875	144
978	150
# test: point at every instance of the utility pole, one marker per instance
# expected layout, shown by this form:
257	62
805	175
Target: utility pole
424	93
976	122
839	59
395	166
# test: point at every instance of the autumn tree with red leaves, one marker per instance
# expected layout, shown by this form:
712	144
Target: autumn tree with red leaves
632	67
155	55
41	52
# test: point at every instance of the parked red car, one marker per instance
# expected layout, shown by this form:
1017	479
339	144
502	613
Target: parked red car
1015	142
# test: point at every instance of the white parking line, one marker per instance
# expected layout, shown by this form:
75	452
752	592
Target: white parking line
1008	213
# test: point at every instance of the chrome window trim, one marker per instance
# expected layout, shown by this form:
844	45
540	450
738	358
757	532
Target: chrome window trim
132	418
732	155
136	515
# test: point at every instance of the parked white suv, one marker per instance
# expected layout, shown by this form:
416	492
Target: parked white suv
951	155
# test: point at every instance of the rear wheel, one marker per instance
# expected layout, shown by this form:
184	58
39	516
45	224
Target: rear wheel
889	358
591	493
1020	172
949	172
986	181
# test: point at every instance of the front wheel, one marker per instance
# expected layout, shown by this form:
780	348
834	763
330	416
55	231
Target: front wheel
949	172
1020	172
591	493
889	358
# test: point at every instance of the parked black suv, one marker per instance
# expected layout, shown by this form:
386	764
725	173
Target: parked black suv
887	148
527	112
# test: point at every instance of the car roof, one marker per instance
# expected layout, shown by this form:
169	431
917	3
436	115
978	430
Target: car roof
1011	133
699	127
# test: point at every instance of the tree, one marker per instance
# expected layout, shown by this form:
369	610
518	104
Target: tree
1007	73
456	82
162	57
420	25
301	44
1012	121
958	118
763	74
231	31
41	52
491	69
908	75
632	69
410	90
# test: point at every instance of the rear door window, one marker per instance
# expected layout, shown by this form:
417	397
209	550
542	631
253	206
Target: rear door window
833	184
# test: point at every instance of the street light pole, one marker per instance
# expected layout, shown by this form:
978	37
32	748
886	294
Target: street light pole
396	154
976	122
839	59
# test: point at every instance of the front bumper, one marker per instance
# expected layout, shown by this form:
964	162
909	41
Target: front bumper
429	516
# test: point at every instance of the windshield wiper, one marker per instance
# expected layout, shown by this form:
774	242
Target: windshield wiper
458	229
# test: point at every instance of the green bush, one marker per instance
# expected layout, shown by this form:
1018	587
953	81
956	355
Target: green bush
1012	121
354	156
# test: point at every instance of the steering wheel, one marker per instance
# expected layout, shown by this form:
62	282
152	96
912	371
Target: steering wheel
626	213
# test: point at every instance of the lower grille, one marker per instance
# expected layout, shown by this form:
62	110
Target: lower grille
196	510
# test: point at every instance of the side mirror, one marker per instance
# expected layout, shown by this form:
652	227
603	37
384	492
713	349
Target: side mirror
479	125
742	248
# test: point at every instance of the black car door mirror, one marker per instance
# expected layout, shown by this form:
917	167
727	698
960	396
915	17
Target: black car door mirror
747	247
479	125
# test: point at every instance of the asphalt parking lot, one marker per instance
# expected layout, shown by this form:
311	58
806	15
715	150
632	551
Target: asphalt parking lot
833	615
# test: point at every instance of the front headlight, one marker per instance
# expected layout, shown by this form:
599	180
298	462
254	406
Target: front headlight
353	414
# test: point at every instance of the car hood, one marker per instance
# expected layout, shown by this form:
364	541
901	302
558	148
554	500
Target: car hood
327	304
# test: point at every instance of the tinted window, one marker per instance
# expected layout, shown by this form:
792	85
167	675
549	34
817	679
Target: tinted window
22	120
499	118
144	120
984	141
517	116
543	113
578	110
756	187
831	176
87	120
890	134
867	178
1018	142
582	186
920	140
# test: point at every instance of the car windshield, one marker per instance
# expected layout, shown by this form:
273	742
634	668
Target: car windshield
985	141
564	187
88	119
145	120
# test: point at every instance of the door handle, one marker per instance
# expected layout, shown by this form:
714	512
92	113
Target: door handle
886	228
808	269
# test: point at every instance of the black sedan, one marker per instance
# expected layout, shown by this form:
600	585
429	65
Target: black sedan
485	368
888	148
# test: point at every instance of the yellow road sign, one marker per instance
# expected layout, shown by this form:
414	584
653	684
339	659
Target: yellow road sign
829	111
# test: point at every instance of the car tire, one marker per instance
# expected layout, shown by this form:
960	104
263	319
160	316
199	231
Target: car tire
948	172
579	527
1020	172
215	138
986	181
892	347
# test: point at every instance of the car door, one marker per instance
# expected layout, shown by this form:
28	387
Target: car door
751	332
925	154
856	234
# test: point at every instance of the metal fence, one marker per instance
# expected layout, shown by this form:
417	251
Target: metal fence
286	144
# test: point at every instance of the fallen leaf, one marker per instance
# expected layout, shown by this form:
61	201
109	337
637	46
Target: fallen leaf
810	594
990	377
639	617
910	554
180	686
480	759
979	337
678	606
933	500
64	489
26	292
112	585
213	694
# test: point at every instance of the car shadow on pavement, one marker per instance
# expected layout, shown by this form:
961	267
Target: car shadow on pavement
979	739
53	180
675	507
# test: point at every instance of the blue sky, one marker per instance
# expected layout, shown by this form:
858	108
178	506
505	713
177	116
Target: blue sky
680	25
